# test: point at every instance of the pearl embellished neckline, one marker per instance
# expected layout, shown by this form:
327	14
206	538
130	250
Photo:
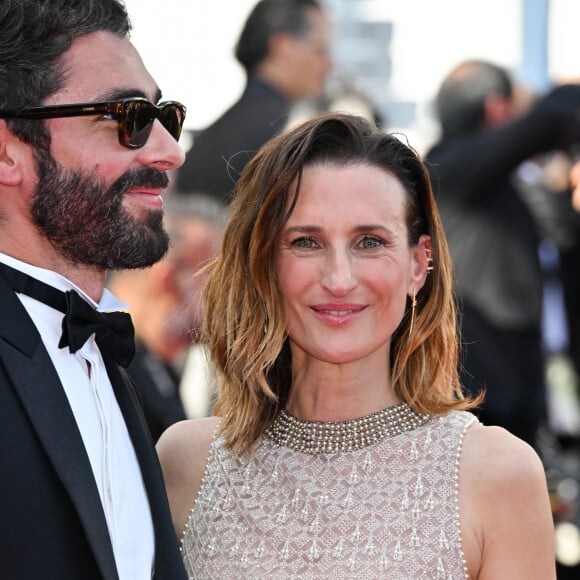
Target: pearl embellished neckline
314	437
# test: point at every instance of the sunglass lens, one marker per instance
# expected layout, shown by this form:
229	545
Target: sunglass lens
171	118
139	117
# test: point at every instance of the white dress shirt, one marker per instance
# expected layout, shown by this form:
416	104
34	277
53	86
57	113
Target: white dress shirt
101	425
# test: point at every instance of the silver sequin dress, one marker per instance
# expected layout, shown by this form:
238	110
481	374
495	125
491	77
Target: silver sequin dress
387	511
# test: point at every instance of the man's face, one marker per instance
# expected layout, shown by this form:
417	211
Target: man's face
97	202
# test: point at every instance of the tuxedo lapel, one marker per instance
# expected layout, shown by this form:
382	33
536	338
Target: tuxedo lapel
168	562
36	382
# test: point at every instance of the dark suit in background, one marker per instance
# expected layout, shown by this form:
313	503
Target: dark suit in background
493	239
220	152
158	386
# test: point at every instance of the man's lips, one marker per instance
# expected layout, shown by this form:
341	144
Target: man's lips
147	195
145	190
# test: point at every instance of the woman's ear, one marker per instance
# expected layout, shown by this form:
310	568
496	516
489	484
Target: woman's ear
422	263
15	155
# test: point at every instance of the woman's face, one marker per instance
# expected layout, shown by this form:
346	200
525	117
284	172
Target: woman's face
344	264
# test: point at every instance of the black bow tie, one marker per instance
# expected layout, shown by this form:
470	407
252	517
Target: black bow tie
113	331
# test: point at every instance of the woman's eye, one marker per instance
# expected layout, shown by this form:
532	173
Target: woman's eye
370	242
305	243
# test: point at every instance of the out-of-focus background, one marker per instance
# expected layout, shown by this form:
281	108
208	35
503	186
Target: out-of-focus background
396	52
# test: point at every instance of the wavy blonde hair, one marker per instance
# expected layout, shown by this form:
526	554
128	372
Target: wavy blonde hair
245	323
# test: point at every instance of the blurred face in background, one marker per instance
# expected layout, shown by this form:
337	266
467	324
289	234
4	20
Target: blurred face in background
196	243
308	59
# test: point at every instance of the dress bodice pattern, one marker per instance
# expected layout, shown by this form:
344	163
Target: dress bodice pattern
389	510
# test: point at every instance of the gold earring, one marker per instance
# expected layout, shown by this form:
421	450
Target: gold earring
429	261
413	306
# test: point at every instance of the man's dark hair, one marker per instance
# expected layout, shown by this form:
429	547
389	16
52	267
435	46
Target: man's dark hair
34	34
460	102
269	17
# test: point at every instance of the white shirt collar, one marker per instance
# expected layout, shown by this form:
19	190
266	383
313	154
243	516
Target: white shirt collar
108	302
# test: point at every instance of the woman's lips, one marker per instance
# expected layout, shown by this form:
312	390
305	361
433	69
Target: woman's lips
337	313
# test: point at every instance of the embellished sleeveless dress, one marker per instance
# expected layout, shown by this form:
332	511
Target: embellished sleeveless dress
389	510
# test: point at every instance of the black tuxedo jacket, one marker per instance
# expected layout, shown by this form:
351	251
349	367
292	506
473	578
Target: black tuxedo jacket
53	524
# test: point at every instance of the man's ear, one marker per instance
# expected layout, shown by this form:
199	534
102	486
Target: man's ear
279	45
14	157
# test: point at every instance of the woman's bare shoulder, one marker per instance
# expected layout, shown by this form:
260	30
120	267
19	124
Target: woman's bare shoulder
505	510
496	457
185	441
188	431
183	451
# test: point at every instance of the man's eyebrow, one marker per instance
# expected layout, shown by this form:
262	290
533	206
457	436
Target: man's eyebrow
118	94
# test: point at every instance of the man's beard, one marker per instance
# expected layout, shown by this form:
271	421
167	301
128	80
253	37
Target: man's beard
86	223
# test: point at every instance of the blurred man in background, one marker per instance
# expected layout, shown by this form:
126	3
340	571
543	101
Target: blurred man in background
492	234
283	48
165	307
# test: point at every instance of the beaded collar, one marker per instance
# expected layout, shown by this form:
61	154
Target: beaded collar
315	437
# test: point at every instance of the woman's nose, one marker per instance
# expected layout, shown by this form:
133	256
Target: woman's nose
338	276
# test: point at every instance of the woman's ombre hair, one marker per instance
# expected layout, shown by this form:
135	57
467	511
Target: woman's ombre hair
245	324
